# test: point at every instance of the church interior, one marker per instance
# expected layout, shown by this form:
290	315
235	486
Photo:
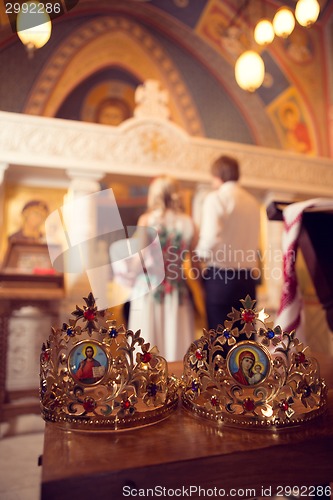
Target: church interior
123	91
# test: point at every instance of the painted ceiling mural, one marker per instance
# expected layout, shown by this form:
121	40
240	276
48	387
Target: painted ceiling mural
102	50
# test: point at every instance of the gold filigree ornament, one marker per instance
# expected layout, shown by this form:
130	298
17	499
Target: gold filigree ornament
95	375
267	381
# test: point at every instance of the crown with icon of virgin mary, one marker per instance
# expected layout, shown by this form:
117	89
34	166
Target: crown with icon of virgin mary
95	375
247	373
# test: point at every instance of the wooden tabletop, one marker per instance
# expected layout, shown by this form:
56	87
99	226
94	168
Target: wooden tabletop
184	451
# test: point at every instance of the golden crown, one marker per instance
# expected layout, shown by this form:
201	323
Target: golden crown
95	375
248	373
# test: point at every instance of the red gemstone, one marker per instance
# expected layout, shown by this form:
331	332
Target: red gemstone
89	405
214	401
146	357
89	315
46	356
126	404
198	354
300	358
284	406
249	405
248	316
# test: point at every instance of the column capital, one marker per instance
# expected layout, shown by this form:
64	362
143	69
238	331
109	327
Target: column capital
94	175
84	181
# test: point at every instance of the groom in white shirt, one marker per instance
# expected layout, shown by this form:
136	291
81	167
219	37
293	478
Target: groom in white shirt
228	242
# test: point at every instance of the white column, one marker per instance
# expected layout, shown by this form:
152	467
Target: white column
80	227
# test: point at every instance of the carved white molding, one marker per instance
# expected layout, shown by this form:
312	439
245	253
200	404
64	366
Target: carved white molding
148	147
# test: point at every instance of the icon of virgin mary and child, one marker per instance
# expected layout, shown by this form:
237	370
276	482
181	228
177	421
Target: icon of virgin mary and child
249	371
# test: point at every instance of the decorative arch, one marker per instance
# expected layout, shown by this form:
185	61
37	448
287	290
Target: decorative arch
120	42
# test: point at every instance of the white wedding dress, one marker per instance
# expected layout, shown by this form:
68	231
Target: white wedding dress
165	315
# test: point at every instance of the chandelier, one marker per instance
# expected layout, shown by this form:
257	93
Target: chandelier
250	75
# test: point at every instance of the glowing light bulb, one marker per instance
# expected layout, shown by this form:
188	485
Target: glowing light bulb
264	32
307	12
283	22
249	71
33	25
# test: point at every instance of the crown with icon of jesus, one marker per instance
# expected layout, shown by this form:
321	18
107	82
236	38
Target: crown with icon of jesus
95	375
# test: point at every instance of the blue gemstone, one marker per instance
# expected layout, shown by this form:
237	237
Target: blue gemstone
195	386
113	333
70	332
152	389
270	334
227	334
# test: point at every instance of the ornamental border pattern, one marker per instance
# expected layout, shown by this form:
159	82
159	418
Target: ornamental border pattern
147	147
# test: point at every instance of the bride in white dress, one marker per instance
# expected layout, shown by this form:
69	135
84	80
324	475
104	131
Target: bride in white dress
165	315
